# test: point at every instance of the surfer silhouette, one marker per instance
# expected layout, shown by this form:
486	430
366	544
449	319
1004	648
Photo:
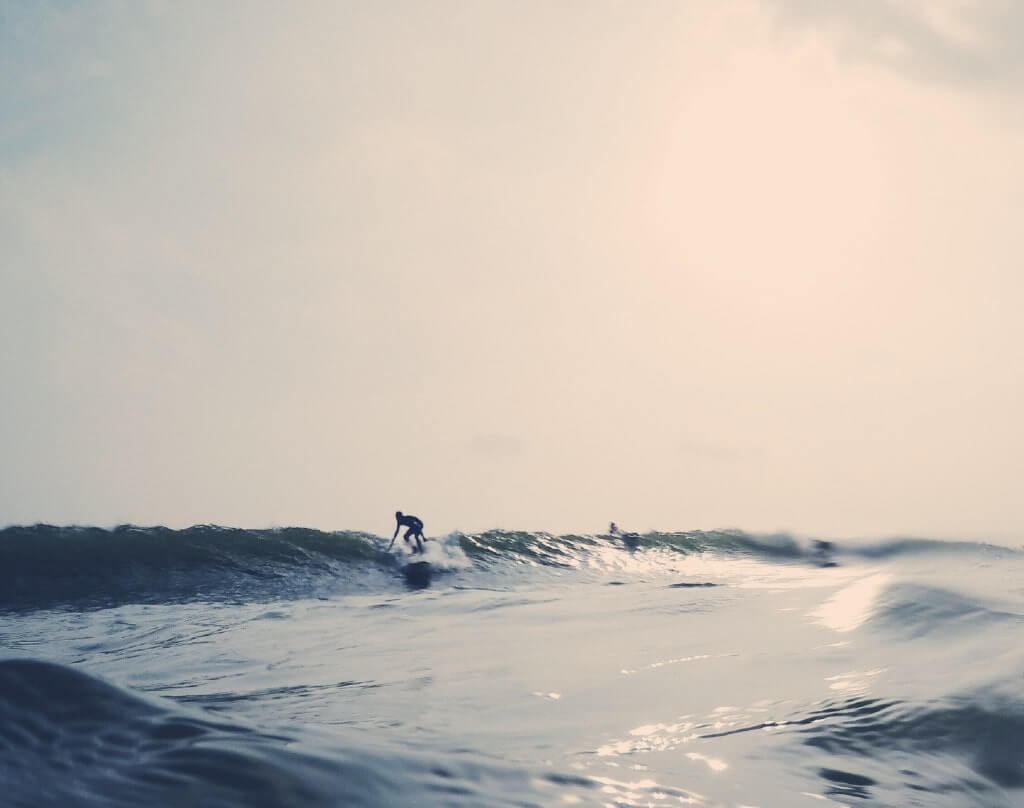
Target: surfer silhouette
822	554
629	539
415	530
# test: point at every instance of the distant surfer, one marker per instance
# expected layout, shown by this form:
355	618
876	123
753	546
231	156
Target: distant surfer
415	530
822	554
630	539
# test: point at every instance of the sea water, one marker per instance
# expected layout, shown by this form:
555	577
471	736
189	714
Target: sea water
225	667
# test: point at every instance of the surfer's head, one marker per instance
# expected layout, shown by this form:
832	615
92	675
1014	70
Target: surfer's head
398	514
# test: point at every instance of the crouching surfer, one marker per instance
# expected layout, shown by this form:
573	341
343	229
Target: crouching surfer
415	530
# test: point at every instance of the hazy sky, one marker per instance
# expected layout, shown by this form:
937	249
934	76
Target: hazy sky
533	265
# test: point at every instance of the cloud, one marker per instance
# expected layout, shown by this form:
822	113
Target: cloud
950	41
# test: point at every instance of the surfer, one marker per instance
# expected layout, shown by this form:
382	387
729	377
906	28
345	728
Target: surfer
630	539
822	554
415	530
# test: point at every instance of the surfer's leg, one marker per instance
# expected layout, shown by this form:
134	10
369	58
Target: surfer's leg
419	541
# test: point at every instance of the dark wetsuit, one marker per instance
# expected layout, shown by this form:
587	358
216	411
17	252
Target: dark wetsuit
415	530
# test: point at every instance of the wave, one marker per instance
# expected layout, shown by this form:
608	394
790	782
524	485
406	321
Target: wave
961	750
566	550
983	734
914	610
67	738
46	566
894	547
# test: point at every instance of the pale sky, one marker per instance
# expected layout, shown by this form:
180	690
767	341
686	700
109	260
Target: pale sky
529	265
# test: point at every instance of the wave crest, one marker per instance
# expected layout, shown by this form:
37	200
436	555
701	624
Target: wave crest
44	566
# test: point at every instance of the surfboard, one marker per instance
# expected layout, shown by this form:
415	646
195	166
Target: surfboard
631	540
417	574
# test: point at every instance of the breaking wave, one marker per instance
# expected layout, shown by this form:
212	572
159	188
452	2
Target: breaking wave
46	566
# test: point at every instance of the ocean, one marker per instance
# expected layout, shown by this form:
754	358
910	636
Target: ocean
291	667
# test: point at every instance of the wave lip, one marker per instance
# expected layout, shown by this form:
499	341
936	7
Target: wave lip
548	549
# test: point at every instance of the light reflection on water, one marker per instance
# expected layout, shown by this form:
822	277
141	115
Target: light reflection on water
716	749
663	663
688	737
651	738
852	605
715	764
646	792
853	681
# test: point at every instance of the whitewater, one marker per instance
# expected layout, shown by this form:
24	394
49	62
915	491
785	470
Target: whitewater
292	667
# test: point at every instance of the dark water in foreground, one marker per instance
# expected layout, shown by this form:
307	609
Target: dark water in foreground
293	668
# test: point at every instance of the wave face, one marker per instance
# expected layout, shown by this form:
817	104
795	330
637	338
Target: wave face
67	738
45	566
912	610
982	732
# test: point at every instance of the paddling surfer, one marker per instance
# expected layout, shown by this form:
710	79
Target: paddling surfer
415	530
